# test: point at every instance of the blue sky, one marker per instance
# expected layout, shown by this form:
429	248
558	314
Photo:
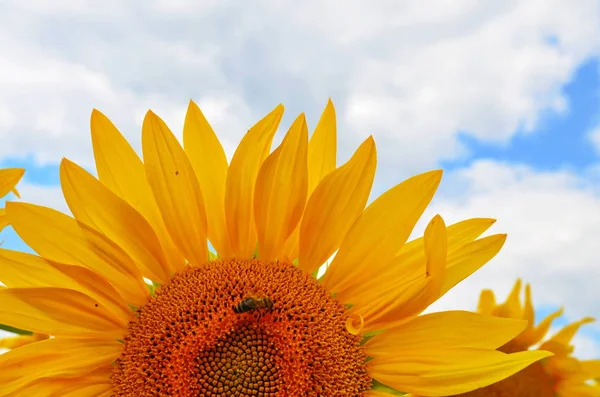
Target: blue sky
560	138
456	88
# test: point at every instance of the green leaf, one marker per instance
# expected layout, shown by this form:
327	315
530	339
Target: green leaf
152	287
381	387
133	308
15	330
369	335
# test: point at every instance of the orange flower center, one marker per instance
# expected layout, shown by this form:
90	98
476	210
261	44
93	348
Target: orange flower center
532	381
241	328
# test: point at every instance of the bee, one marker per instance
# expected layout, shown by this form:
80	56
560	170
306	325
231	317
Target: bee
254	302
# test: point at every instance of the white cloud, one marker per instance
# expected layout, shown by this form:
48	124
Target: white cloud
586	348
410	73
552	223
594	137
48	196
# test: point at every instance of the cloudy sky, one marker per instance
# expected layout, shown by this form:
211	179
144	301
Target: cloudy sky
504	95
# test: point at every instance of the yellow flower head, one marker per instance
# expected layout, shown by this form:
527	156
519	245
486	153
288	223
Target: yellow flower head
560	375
247	316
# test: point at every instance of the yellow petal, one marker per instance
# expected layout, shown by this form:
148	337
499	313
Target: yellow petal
280	193
464	232
176	189
241	180
379	233
451	329
576	390
384	307
459	234
322	152
59	312
470	258
121	170
97	287
78	387
13	342
512	306
64	240
95	205
563	365
591	368
291	246
57	357
3	219
442	372
22	270
566	334
487	302
210	165
436	248
334	206
410	264
528	312
9	177
95	384
526	339
322	148
540	330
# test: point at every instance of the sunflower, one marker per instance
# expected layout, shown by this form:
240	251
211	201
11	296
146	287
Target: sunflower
139	304
9	177
560	375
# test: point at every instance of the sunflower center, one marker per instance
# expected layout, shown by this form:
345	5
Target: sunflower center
532	381
242	362
241	328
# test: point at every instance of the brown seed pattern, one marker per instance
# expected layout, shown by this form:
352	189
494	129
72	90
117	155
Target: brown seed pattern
188	341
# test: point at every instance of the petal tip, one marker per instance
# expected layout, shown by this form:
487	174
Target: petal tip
543	354
434	176
437	218
95	114
192	106
64	162
149	114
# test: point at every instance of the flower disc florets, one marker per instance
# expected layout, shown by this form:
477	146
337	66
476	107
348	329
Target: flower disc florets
189	341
